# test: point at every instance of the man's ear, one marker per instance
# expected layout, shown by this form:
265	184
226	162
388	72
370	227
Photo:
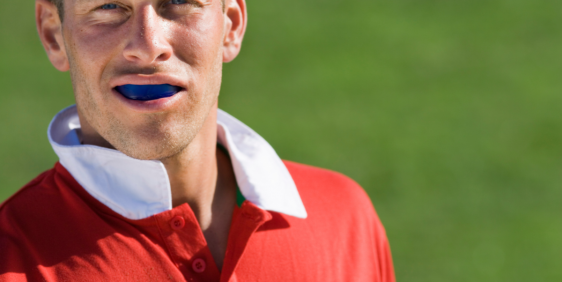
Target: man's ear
236	20
49	28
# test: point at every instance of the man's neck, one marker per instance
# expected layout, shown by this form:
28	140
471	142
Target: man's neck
202	176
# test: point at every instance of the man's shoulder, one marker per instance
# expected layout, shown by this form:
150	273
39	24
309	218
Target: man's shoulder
341	220
27	196
32	201
330	187
25	215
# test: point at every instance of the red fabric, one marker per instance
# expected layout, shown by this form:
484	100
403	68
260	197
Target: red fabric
53	230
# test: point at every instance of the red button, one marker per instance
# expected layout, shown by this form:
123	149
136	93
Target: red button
199	265
177	222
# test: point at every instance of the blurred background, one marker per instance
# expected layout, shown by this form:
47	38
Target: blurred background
447	112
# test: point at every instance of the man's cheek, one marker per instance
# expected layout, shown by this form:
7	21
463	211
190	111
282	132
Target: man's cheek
195	45
96	44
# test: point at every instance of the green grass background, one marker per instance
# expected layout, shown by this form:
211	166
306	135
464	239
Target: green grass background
447	112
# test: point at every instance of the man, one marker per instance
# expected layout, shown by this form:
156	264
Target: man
154	183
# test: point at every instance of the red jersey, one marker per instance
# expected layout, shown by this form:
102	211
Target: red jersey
53	230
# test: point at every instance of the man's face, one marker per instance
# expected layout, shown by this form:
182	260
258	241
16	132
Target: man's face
140	42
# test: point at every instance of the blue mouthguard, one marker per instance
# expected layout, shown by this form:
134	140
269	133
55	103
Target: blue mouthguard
147	92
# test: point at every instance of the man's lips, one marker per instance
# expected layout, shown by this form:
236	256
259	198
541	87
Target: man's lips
147	92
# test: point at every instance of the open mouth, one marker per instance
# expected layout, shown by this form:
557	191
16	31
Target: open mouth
147	92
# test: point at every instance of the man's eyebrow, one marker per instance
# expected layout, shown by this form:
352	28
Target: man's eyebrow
90	1
201	2
205	2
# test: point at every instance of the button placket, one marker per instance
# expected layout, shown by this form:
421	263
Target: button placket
177	223
199	265
186	243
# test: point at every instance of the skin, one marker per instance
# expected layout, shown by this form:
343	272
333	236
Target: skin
154	42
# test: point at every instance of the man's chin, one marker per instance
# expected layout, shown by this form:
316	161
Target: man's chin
150	151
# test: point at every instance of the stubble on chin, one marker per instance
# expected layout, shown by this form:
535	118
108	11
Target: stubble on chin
157	138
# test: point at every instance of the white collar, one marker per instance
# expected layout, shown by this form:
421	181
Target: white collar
138	189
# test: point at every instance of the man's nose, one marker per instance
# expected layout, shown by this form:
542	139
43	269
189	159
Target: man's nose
148	42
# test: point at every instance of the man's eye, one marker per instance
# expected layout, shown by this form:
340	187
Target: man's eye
178	2
109	7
